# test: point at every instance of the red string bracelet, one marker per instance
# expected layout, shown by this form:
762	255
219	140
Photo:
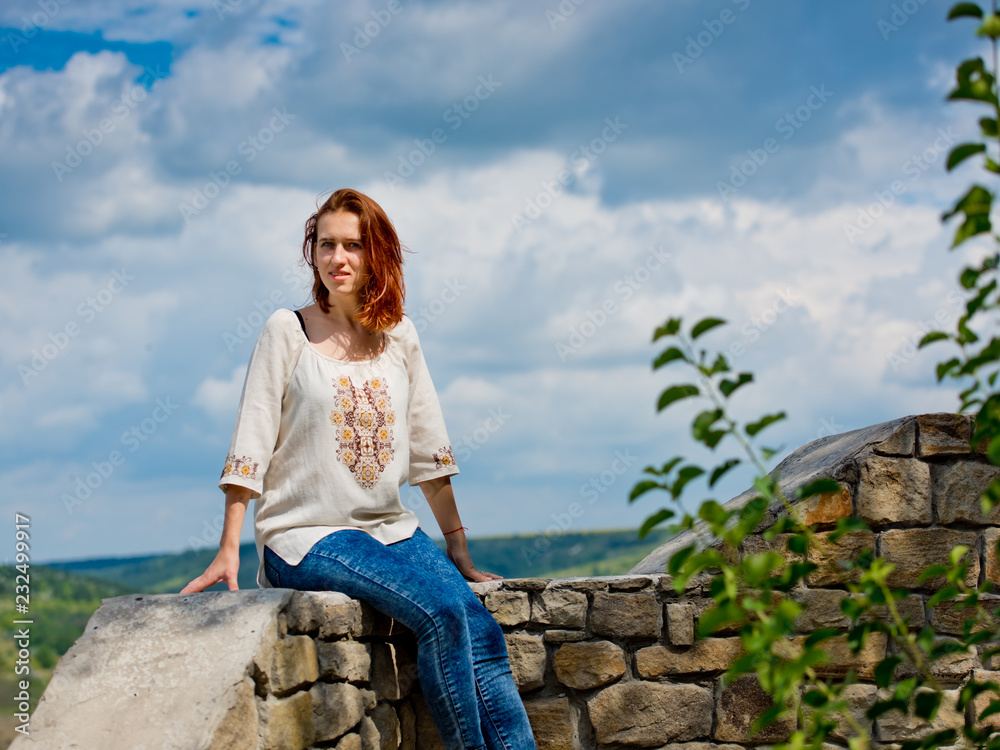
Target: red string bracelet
454	530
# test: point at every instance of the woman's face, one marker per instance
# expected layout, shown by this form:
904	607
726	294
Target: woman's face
340	256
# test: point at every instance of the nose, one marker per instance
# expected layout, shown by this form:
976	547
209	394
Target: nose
339	254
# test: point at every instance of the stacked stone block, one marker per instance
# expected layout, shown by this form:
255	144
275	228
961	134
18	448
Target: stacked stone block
339	675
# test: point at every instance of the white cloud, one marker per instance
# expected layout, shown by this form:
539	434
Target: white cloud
220	398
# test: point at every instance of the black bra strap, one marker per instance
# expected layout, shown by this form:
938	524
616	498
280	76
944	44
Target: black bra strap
302	322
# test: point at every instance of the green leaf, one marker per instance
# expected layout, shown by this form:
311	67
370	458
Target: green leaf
720	365
977	200
974	82
684	476
990	710
957	553
965	10
797	543
663	514
931	571
667	356
670	328
713	513
989	127
678	559
990	27
752	513
665	469
701	428
945	648
721	469
703	326
973	225
969	277
814	698
676	393
944	368
962	152
931	337
718	617
885	670
926	704
846	526
819	487
755	427
768	453
852	608
728	386
904	689
642	488
942	594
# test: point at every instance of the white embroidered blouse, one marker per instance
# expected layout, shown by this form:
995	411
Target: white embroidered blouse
325	444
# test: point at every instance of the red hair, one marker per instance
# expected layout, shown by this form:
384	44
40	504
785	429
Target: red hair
383	292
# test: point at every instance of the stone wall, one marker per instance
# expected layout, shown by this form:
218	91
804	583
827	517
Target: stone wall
601	663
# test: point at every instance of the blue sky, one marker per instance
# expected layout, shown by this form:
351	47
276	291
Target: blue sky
567	174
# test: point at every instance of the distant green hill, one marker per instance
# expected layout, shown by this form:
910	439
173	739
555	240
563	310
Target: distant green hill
161	574
520	556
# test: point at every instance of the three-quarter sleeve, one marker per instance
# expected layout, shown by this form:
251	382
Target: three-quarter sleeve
259	416
431	454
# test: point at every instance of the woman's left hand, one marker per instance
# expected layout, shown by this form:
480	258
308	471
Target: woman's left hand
458	552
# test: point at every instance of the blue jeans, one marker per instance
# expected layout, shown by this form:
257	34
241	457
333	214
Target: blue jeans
461	653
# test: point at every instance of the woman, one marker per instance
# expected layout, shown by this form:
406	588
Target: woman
337	411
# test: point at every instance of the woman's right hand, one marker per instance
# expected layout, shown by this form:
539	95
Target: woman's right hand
224	567
226	564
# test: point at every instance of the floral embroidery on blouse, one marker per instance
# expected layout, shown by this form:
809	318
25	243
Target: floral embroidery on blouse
444	457
244	467
363	420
